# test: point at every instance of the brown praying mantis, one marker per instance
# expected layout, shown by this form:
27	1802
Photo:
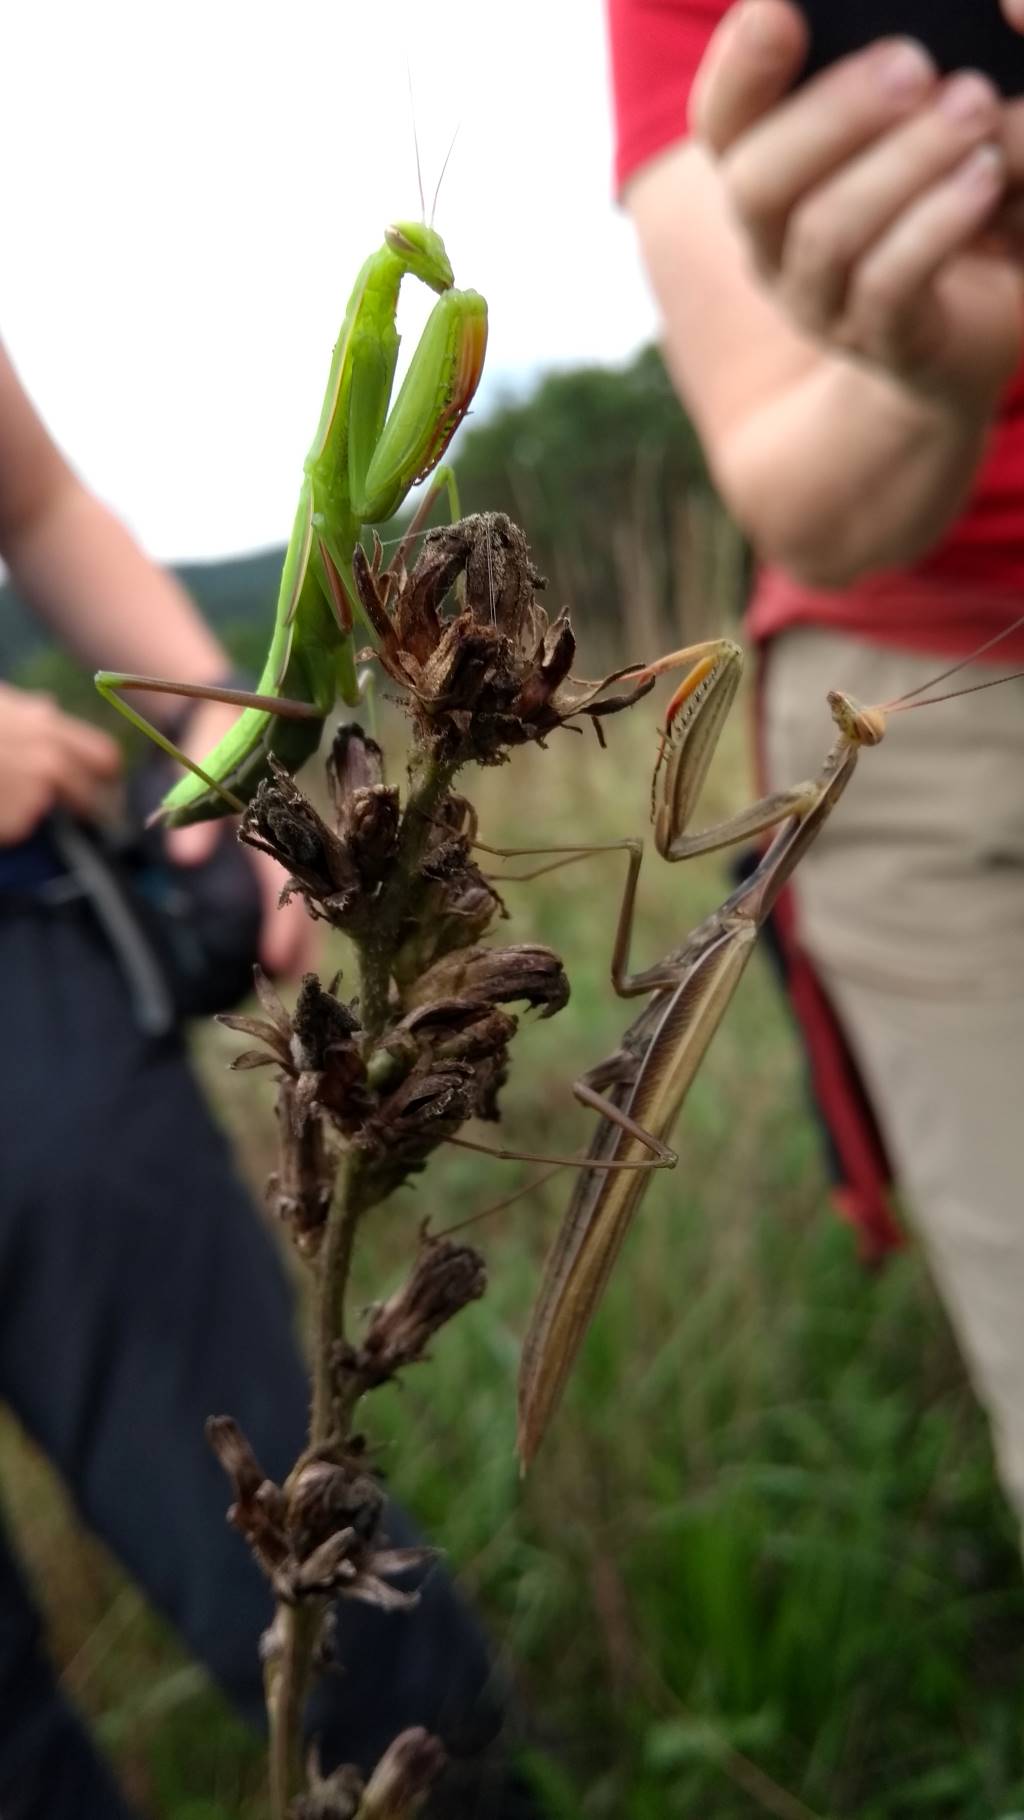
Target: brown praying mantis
639	1089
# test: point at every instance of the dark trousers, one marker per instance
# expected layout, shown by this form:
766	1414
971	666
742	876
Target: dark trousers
140	1293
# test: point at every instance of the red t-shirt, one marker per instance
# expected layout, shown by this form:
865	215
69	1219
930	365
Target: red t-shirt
972	584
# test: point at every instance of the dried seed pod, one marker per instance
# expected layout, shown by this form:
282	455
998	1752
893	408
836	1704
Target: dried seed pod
404	1777
444	1279
337	872
300	1189
497	976
258	1512
315	1047
494	674
333	1797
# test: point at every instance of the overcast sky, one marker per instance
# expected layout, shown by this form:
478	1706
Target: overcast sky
191	188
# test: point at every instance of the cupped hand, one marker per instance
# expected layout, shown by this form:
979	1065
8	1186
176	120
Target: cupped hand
48	760
867	198
290	942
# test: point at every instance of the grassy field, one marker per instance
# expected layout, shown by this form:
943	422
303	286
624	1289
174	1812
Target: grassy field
762	1567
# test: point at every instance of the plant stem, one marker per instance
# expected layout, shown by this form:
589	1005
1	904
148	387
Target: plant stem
335	1264
331	1418
286	1692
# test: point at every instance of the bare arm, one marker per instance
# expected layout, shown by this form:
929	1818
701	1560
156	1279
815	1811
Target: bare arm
839	341
80	569
84	574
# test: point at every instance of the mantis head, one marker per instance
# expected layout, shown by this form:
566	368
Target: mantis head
421	252
858	726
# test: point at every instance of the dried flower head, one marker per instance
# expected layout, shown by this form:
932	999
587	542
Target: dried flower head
319	1535
455	904
334	1797
404	1777
300	1189
497	976
445	1278
495	673
315	1045
337	871
442	1064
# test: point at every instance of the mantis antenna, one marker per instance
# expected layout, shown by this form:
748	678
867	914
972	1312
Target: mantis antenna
954	670
416	148
444	167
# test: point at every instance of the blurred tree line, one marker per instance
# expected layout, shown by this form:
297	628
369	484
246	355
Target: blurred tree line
604	472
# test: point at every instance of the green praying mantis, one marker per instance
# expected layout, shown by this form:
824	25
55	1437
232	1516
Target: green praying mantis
362	463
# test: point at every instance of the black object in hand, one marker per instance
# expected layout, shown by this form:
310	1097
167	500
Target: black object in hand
960	34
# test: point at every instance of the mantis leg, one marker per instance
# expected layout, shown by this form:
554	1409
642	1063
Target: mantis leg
618	1069
434	396
662	1156
570	856
110	682
627	985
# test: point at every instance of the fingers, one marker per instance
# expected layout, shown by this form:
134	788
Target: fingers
48	758
290	943
1013	142
1014	11
82	744
192	846
752	59
894	315
804	141
851	229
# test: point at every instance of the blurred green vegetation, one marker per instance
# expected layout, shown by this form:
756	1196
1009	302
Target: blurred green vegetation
761	1566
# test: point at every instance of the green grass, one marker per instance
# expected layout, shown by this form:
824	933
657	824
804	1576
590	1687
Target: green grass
761	1565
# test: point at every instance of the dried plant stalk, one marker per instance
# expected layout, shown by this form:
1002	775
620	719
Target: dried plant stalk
367	1090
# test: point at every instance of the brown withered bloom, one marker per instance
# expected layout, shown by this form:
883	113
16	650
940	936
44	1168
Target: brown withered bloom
315	1045
442	1064
445	1278
494	673
334	1797
454	904
404	1777
337	871
497	976
300	1189
258	1512
319	1535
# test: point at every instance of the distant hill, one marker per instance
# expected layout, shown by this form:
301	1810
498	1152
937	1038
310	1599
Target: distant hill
239	591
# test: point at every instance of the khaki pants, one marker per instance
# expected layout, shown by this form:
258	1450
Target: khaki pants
912	907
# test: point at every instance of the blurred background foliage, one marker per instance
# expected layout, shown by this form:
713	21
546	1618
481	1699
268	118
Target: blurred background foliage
762	1566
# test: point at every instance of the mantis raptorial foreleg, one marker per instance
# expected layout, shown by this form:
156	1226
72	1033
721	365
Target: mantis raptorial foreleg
364	460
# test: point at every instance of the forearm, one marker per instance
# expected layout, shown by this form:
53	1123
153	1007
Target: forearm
843	474
84	574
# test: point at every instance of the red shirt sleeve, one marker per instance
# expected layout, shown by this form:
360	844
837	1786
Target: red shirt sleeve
656	46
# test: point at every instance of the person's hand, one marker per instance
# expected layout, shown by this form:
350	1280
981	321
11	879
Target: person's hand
865	195
48	759
289	940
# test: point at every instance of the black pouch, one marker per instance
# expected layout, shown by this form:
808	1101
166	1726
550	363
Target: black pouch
186	937
960	34
204	920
